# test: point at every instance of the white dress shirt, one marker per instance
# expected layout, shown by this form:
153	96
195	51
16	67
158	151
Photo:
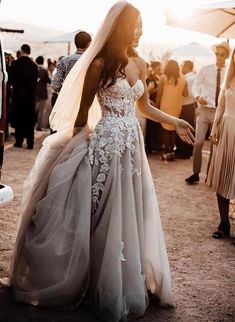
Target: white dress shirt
190	78
205	83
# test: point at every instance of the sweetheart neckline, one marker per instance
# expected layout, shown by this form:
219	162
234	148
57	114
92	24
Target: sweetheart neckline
131	86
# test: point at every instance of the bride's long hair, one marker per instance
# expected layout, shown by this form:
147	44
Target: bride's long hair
115	58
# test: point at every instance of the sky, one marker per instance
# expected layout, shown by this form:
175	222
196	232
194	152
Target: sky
87	15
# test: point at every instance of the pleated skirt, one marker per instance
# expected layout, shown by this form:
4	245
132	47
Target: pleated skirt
221	174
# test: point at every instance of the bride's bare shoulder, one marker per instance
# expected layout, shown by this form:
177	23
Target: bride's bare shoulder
95	69
140	62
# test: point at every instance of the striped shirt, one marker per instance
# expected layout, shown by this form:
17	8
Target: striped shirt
62	70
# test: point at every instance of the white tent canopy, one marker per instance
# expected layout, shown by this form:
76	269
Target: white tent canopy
64	38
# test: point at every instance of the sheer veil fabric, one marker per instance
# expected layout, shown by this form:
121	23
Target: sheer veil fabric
67	105
115	254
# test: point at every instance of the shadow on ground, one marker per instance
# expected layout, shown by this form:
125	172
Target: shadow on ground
12	311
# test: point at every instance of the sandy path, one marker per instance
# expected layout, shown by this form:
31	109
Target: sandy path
203	269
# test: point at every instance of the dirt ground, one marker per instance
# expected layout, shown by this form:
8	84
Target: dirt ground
203	269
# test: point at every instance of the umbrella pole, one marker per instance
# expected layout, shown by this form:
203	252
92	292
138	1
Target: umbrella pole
68	48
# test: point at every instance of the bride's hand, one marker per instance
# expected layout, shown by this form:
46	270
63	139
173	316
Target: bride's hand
185	131
214	135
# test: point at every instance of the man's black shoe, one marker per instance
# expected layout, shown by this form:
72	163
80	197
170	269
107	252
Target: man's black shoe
192	179
181	156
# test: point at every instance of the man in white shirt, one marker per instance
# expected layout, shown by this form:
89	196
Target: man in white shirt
206	91
183	149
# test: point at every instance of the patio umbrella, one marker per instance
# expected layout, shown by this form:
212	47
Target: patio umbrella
193	49
216	19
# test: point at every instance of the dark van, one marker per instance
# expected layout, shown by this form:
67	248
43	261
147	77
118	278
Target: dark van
6	193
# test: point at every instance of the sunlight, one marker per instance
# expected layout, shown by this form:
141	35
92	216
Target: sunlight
181	9
180	14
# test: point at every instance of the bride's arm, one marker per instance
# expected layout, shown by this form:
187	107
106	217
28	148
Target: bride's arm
214	136
183	128
90	87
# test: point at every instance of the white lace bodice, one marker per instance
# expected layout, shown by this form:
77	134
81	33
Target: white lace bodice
117	130
119	99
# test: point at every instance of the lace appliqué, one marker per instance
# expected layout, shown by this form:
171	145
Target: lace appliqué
116	131
122	257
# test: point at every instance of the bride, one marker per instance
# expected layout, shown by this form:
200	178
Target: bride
90	224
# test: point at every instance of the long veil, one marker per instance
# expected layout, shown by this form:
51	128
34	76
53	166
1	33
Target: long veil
62	120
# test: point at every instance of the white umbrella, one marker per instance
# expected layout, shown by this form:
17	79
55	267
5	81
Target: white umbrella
193	49
216	19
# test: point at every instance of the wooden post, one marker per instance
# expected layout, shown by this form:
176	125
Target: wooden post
1	150
68	51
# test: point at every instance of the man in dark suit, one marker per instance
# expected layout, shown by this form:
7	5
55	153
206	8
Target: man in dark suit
23	77
41	92
153	137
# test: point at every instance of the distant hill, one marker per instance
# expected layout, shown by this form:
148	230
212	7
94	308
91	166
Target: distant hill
32	33
35	37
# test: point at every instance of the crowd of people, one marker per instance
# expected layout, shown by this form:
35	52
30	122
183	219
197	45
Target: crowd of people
32	89
172	88
195	97
28	94
90	229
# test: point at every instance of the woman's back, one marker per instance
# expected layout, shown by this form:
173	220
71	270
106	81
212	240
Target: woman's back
171	100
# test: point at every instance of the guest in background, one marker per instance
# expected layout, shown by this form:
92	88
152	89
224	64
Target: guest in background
183	149
171	89
152	138
8	59
221	174
54	95
206	91
51	69
41	92
82	41
18	54
23	77
153	80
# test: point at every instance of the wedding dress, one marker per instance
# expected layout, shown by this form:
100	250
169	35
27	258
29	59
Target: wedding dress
96	232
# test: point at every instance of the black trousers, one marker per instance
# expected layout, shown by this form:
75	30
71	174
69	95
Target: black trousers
153	138
169	138
23	118
24	132
188	114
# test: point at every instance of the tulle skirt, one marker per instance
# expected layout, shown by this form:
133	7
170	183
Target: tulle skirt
79	242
